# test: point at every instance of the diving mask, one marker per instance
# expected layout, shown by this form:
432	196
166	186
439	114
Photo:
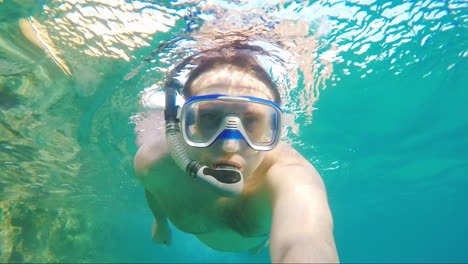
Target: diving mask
207	118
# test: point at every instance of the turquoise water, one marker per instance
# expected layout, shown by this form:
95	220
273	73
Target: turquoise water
388	135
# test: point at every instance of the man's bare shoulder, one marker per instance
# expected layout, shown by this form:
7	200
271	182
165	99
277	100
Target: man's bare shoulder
151	141
149	156
285	155
290	169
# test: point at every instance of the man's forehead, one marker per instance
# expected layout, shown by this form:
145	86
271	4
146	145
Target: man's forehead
229	106
233	80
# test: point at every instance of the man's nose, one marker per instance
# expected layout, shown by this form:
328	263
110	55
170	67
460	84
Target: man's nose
231	145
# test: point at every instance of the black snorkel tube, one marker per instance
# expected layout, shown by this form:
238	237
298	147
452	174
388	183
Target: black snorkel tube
226	181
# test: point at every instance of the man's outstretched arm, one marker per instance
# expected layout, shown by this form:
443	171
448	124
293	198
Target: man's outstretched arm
302	224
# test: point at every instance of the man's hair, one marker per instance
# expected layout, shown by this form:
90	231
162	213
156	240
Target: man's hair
243	59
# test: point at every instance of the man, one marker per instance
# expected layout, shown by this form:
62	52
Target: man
281	197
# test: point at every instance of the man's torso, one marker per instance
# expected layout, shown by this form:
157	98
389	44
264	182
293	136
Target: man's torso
226	224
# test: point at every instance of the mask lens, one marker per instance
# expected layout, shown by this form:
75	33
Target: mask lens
205	120
259	122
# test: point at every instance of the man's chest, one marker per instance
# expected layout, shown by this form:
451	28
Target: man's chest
192	207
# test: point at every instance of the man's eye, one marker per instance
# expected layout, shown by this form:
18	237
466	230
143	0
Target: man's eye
209	121
251	122
209	117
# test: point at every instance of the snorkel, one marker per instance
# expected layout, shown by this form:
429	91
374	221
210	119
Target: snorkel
224	180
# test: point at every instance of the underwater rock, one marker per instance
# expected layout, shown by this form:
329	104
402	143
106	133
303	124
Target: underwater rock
15	9
34	234
8	67
9	82
8	100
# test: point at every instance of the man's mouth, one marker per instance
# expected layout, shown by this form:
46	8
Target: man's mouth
226	165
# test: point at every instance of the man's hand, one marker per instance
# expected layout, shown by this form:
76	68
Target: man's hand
161	233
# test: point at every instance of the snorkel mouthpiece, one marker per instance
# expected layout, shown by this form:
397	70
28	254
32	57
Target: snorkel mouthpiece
224	175
224	180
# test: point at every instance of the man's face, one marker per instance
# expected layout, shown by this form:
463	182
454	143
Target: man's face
230	80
